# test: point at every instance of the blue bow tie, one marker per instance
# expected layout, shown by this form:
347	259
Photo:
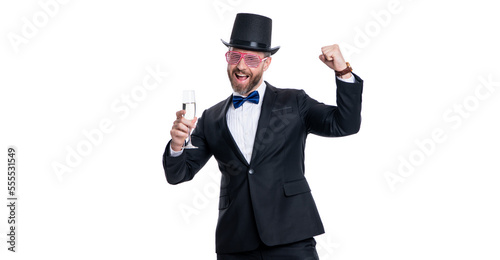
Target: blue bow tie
253	97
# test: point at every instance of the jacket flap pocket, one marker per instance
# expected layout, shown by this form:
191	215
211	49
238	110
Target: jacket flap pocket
296	187
282	111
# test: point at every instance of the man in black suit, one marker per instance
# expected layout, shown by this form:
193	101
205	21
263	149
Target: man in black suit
257	136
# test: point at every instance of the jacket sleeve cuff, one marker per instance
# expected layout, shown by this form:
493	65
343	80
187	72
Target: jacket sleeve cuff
348	80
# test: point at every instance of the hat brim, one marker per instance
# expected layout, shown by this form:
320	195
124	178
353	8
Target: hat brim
251	48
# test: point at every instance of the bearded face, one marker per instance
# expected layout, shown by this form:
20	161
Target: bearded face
243	78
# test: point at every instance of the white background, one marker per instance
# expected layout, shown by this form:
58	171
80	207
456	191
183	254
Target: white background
419	63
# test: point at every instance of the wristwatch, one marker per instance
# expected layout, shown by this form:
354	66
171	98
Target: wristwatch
344	71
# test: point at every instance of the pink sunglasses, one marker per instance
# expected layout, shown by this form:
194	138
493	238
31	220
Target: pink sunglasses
251	60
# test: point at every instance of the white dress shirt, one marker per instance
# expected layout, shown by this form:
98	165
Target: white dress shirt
242	122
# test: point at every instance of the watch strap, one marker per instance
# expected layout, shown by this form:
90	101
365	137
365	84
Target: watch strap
344	71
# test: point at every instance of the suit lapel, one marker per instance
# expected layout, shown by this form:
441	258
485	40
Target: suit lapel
226	134
265	115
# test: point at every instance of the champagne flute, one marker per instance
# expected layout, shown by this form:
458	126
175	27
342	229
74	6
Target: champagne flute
189	105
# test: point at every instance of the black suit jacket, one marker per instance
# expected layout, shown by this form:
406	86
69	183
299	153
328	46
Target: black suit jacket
268	200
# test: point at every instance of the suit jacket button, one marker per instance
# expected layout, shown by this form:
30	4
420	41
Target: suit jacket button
250	171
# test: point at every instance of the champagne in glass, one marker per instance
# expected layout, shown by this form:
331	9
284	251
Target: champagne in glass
190	109
189	105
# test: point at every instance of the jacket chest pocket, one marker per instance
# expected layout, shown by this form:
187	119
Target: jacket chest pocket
282	119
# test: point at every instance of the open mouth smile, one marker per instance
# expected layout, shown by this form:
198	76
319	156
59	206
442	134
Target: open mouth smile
241	77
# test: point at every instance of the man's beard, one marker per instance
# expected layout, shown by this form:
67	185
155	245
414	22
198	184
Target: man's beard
238	87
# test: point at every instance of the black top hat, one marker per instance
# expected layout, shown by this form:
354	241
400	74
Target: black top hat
252	32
